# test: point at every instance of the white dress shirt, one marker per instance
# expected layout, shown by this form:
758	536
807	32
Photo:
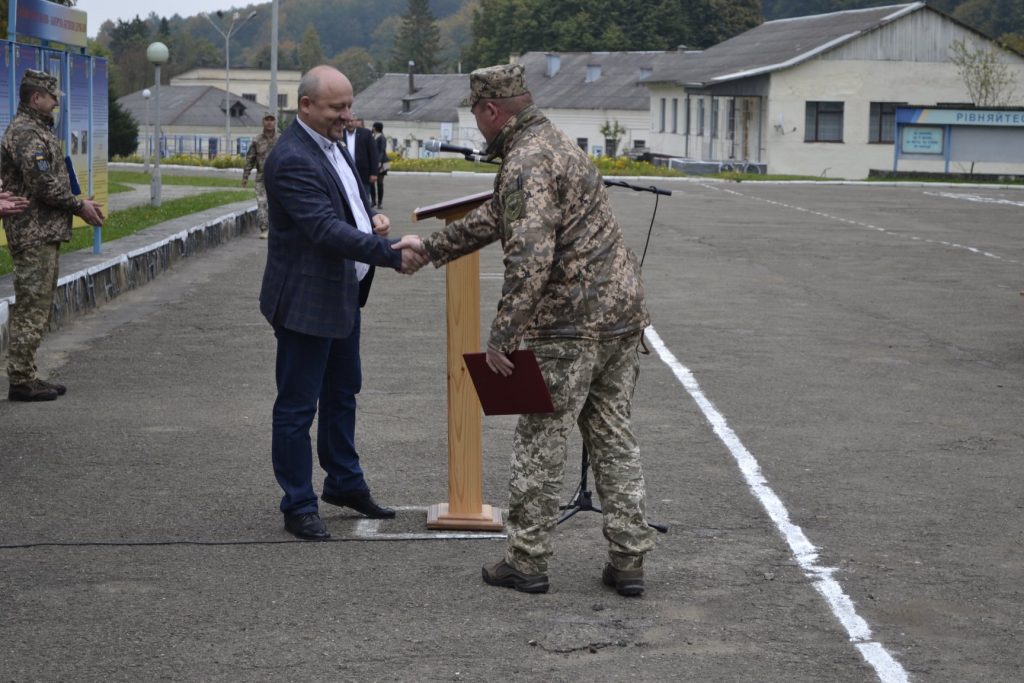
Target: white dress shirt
351	185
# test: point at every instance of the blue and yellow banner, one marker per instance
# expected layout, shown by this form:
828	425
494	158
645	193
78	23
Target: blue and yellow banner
52	22
960	117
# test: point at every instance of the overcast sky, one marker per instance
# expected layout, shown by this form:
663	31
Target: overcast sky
101	10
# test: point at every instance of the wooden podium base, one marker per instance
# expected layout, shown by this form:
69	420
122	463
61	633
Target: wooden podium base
488	519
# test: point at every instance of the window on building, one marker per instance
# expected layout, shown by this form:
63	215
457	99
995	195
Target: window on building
639	144
251	96
675	115
714	118
661	116
282	100
700	116
554	64
582	142
731	122
882	126
593	72
824	122
686	129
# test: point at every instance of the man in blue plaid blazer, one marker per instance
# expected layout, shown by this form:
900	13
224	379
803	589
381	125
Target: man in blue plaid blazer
325	239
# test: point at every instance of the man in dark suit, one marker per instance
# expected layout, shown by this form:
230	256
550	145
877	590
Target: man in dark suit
325	239
363	151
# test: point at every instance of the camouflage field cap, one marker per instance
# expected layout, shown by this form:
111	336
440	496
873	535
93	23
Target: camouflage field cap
497	82
40	80
269	115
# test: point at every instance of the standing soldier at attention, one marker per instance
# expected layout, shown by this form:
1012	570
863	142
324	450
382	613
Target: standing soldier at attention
255	158
572	293
32	166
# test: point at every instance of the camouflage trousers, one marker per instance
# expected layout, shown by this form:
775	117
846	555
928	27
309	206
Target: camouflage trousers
262	217
35	281
591	384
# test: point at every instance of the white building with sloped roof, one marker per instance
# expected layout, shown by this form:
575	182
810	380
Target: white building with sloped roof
817	95
194	120
586	94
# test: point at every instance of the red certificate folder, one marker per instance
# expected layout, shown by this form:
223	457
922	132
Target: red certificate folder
524	391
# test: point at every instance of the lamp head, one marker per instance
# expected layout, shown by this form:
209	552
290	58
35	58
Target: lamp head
146	93
157	53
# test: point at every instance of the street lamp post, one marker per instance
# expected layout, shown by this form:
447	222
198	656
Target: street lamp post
234	26
146	94
273	60
157	54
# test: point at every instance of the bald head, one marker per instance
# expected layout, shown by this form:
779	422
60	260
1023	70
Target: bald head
325	101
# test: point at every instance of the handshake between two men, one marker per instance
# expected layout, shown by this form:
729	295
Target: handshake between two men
414	255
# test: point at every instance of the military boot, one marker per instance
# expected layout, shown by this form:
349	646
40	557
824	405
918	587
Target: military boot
33	390
627	582
505	575
56	386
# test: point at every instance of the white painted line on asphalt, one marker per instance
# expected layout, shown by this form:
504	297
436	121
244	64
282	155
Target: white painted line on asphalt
951	245
805	552
974	198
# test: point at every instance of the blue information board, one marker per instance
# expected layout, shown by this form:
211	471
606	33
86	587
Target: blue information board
922	140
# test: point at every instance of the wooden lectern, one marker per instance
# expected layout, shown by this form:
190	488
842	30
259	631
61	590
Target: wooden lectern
465	508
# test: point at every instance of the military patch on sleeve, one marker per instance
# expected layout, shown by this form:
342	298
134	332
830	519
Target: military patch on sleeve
41	163
515	205
515	202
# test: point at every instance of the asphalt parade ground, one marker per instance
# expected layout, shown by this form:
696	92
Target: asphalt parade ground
830	419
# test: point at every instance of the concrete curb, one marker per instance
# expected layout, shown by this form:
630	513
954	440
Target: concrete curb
88	281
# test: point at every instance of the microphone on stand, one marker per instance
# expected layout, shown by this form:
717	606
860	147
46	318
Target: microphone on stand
438	146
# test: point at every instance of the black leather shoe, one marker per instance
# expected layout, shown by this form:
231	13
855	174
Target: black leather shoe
307	526
360	501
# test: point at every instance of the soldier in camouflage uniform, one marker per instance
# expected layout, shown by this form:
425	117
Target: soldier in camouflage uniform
572	293
32	166
255	158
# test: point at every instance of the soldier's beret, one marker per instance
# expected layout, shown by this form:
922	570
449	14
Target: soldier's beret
497	82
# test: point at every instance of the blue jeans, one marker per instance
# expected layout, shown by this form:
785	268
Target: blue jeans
311	371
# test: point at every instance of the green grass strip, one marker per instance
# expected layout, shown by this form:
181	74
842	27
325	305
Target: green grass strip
142	178
129	221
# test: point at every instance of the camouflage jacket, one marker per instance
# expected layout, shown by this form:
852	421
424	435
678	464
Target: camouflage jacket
568	272
32	166
257	155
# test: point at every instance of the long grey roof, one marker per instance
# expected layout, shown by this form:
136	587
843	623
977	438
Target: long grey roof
780	44
436	98
193	106
620	85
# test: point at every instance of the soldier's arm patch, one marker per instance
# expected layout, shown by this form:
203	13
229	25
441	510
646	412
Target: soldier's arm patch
40	161
515	201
